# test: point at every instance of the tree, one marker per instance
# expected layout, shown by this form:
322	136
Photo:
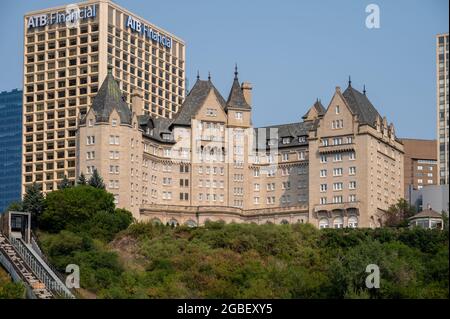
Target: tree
82	180
34	203
398	214
70	208
15	207
65	183
96	180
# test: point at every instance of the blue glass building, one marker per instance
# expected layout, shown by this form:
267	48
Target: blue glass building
10	147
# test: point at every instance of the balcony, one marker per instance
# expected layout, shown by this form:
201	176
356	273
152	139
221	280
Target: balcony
337	148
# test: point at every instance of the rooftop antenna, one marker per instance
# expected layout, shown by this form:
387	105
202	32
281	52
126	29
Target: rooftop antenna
364	89
349	81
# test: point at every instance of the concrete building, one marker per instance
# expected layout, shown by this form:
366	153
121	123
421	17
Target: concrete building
10	147
339	166
420	164
66	57
442	109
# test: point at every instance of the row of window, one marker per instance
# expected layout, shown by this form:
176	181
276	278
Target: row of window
338	171
338	199
337	186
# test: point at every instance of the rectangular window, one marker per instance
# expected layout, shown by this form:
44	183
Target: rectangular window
323	173
323	200
338	186
337	171
238	115
352	170
337	157
323	188
323	158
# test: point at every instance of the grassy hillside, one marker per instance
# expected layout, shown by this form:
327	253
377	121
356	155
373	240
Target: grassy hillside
256	261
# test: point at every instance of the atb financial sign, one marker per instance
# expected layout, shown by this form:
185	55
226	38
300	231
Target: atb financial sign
140	27
71	17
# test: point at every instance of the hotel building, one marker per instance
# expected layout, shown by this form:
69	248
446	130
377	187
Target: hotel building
338	166
66	54
420	164
442	107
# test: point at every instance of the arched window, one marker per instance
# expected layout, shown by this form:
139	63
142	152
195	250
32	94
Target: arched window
353	222
190	223
338	222
323	223
173	222
284	222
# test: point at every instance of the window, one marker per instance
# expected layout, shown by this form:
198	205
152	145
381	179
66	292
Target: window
337	157
337	110
337	171
285	157
419	167
114	122
352	185
256	200
301	155
352	170
323	223
211	112
238	115
90	155
352	198
167	152
351	156
286	140
91	122
323	200
323	158
256	187
338	186
323	188
352	222
338	222
324	142
337	199
323	173
90	140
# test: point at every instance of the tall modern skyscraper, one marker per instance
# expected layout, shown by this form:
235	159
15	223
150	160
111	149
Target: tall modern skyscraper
10	147
67	51
442	106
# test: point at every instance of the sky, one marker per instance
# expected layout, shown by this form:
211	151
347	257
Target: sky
291	51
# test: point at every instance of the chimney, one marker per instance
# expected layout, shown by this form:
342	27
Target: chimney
247	90
137	102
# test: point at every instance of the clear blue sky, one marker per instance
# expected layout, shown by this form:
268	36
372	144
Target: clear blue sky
292	51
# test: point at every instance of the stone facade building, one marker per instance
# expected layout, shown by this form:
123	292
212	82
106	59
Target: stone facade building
339	166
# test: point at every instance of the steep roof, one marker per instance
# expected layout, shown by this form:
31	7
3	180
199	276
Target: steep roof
108	98
195	100
318	107
360	105
291	130
157	126
236	97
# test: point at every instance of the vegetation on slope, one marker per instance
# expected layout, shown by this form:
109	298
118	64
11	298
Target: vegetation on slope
117	259
9	289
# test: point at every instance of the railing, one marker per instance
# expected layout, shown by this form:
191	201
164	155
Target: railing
41	269
20	271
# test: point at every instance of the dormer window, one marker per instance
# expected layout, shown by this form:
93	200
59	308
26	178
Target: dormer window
114	122
166	136
302	139
91	122
286	140
238	115
272	142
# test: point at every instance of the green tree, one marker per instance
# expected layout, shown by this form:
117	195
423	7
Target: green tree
34	203
70	208
398	214
65	183
15	207
82	179
96	180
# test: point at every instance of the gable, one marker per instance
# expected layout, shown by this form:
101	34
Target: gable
211	109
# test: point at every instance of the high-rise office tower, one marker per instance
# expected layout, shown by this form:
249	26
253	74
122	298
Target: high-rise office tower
442	106
10	147
67	51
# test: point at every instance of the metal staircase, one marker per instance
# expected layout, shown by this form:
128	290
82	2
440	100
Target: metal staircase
20	271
